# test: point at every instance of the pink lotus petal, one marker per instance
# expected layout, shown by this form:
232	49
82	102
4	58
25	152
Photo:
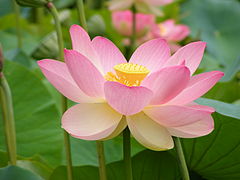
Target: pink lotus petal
197	129
201	107
149	133
126	100
119	4
191	53
167	83
179	33
108	53
174	48
86	75
169	24
58	75
121	126
152	54
174	116
158	2
198	86
81	42
123	20
171	31
91	121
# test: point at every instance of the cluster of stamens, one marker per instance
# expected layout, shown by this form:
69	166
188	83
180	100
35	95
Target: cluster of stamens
128	74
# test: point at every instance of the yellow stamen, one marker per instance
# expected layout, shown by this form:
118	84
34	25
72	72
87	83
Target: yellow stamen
128	74
163	30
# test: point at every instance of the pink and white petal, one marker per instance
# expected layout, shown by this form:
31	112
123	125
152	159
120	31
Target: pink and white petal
58	75
149	133
167	83
81	42
201	107
91	121
168	24
197	129
158	2
152	54
121	126
180	33
108	53
126	100
174	48
198	86
86	75
115	5
191	53
174	116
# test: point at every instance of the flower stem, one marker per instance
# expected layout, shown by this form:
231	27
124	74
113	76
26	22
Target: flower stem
100	145
130	49
182	162
8	119
39	14
126	132
67	143
127	154
101	160
54	12
134	22
18	27
81	14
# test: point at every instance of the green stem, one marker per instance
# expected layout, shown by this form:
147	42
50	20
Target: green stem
134	21
101	160
39	13
54	12
67	143
182	162
130	49
58	28
100	149
90	3
127	154
126	132
18	27
8	119
81	14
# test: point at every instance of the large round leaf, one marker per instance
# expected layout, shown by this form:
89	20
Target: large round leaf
217	23
216	156
37	119
147	165
14	172
85	152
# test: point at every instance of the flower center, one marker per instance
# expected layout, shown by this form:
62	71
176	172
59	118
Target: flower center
163	30
128	74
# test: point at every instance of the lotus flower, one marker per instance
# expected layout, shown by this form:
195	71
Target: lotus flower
123	21
155	92
144	6
172	32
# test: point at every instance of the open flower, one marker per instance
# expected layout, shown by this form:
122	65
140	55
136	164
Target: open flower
172	32
144	6
154	91
123	22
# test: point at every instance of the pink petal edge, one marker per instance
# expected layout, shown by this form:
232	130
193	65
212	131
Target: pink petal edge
198	86
91	121
126	100
86	75
58	75
109	54
167	83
